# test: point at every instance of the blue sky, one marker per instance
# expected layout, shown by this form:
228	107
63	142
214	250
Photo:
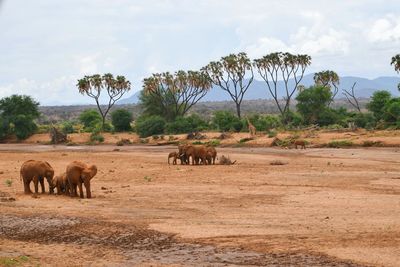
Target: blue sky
46	45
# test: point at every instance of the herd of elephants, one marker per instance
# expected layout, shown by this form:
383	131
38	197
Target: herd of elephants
78	173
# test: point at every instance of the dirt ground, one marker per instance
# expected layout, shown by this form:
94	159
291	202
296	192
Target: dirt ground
322	207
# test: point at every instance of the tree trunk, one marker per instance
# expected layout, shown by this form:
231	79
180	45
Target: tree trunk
238	110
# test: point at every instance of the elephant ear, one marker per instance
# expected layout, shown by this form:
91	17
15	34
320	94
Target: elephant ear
91	171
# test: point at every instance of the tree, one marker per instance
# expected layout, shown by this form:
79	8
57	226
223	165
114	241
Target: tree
93	85
229	74
171	95
226	121
377	104
351	97
147	126
89	118
18	113
396	63
121	119
328	78
285	66
312	101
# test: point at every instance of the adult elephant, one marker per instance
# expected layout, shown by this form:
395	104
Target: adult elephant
79	173
197	153
36	171
211	155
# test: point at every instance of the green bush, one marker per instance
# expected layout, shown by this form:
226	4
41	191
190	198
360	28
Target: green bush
377	104
150	125
293	119
121	119
67	127
24	126
96	137
18	113
192	123
365	120
226	121
311	102
265	123
90	118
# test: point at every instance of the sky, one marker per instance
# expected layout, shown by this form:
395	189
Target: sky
46	45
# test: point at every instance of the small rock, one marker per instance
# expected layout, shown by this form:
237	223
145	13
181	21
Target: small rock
103	188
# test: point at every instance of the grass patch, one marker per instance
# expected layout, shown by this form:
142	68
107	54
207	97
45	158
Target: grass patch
13	261
147	178
340	143
244	140
9	182
368	143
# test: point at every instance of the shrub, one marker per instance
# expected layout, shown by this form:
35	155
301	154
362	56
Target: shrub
365	120
377	104
340	143
121	119
96	136
226	121
293	119
24	126
369	143
312	101
90	118
192	123
150	125
67	127
272	134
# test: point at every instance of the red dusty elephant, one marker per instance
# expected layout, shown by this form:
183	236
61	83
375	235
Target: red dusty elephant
197	153
36	171
79	173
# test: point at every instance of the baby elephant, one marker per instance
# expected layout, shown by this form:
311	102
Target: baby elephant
173	155
61	183
79	173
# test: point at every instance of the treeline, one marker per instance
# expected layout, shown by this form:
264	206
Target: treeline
167	99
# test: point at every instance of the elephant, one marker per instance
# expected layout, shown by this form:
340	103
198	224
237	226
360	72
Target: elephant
174	155
300	143
211	155
36	171
197	153
77	173
181	154
61	183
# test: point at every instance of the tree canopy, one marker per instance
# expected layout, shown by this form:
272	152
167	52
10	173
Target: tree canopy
171	95
115	87
311	102
276	66
229	73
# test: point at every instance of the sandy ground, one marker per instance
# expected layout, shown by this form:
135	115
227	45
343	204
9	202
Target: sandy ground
324	207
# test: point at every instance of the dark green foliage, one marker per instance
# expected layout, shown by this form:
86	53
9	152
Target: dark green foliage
18	113
311	102
24	126
292	119
90	118
192	123
365	120
96	136
330	116
377	104
121	119
392	111
226	121
150	125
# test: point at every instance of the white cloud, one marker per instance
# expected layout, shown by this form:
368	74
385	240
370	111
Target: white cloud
385	29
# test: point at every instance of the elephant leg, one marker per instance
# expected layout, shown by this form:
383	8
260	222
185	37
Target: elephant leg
80	190
42	185
27	188
36	184
59	189
88	192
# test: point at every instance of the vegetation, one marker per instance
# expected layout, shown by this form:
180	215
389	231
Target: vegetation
285	66
192	123
17	116
93	85
90	118
313	102
172	95
150	125
229	74
329	79
121	120
225	121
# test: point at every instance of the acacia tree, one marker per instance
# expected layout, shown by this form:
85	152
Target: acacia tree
176	93
396	63
229	73
351	97
93	85
329	79
282	66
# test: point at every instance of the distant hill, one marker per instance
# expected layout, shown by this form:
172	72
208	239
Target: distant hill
258	90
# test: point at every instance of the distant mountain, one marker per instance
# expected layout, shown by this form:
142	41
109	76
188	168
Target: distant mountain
258	89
